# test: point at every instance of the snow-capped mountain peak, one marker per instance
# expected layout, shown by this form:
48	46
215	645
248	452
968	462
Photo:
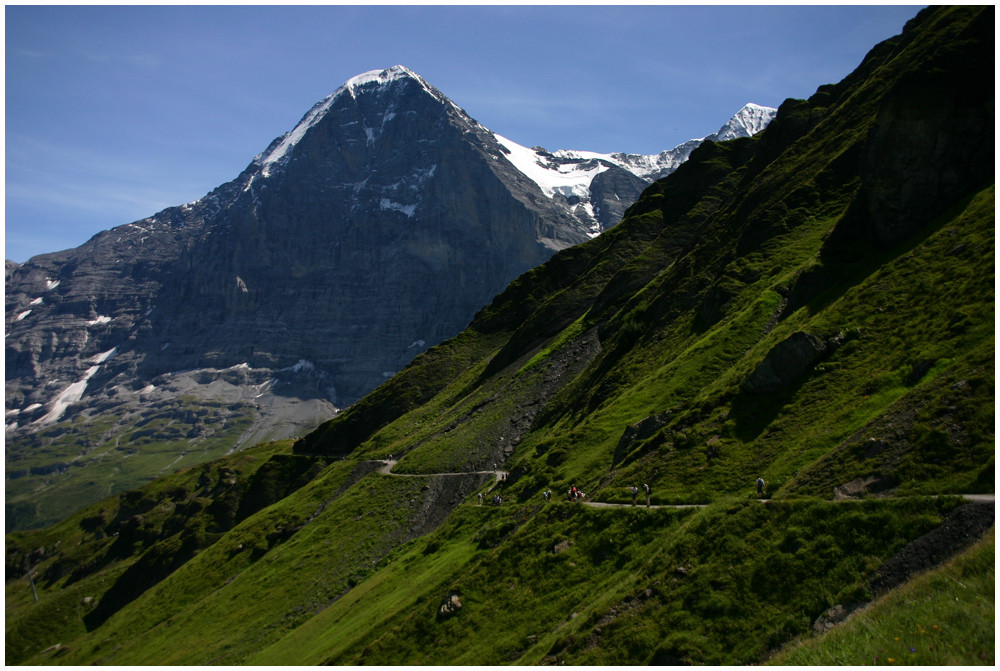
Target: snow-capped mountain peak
357	85
749	121
380	77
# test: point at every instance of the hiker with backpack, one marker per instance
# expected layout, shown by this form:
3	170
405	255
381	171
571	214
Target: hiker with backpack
760	487
635	493
649	493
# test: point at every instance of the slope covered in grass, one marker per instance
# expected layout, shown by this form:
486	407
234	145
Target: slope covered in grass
920	623
814	306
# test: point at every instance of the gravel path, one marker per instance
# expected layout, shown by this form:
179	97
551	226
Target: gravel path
387	466
386	469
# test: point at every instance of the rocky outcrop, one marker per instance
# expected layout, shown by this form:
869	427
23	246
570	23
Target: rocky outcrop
785	362
961	528
639	431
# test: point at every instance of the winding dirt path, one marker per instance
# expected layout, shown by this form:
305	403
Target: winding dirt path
387	465
602	504
386	469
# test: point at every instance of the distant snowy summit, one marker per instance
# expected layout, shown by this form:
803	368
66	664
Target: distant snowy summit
571	173
749	121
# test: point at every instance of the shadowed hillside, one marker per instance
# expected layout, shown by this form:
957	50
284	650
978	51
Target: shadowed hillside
814	306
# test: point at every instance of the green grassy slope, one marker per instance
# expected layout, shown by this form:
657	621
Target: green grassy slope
575	585
918	624
814	305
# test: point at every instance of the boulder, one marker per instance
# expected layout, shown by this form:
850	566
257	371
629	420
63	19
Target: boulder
641	430
835	616
785	362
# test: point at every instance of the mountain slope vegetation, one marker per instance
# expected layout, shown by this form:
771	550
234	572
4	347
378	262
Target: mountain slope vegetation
814	305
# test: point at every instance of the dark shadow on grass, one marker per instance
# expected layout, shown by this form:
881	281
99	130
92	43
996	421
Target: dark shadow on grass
851	255
754	412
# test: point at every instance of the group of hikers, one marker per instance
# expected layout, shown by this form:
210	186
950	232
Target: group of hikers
497	499
575	494
635	493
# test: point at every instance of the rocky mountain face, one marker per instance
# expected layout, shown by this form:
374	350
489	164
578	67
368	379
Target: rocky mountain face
812	306
373	230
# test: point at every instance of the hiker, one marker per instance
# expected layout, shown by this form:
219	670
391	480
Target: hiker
649	493
635	493
760	487
480	496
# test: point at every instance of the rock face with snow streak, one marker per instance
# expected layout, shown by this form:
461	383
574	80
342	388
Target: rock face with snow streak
373	230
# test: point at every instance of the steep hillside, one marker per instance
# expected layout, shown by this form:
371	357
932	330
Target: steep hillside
814	306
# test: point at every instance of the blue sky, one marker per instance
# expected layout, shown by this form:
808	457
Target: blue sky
115	112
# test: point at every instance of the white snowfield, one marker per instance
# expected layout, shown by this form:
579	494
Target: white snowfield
566	179
74	392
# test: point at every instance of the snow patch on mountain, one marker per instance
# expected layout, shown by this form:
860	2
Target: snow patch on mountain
296	134
302	365
75	391
67	397
387	205
552	177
